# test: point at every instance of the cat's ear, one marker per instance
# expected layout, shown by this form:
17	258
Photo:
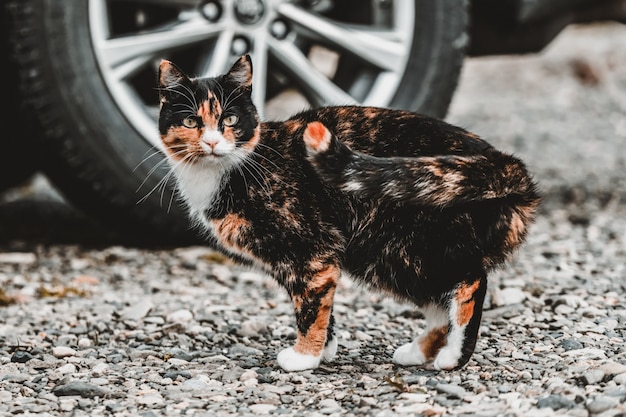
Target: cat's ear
241	71
170	76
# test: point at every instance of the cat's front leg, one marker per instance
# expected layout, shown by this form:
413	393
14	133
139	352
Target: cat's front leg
313	301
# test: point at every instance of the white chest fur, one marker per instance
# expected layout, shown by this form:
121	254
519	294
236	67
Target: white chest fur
199	184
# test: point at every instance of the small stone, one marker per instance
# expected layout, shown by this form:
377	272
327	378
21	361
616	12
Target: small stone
620	379
19	378
67	404
262	408
601	404
137	311
194	385
451	390
243	350
63	351
68	368
252	328
100	369
613	368
555	402
249	374
177	362
20	258
150	399
176	374
570	344
329	406
362	336
84	342
79	388
21	356
179	316
508	296
593	376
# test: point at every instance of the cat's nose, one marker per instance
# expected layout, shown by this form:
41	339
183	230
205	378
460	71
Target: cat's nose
211	139
211	142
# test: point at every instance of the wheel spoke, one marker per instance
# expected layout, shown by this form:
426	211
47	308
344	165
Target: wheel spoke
383	49
321	89
259	72
216	63
117	51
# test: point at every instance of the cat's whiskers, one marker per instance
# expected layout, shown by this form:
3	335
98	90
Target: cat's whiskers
156	151
158	164
187	109
262	145
163	181
226	104
257	176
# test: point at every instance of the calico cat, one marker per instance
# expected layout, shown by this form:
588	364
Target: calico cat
407	204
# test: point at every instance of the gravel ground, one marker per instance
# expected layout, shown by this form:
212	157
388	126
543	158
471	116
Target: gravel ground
125	331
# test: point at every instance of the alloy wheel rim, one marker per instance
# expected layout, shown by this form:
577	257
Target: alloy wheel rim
296	44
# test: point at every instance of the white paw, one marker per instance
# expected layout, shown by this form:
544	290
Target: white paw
409	354
447	358
330	350
290	360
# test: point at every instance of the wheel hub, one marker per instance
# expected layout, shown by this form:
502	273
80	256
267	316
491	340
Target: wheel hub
249	12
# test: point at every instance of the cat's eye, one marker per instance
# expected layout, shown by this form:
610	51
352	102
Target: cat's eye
190	122
230	120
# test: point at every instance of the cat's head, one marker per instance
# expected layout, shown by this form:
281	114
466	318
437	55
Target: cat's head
208	120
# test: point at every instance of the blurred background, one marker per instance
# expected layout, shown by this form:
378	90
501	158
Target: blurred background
545	80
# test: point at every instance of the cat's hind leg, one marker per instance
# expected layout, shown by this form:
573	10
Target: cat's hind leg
427	345
312	297
330	348
465	304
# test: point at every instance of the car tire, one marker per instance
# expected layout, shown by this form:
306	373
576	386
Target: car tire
20	157
95	154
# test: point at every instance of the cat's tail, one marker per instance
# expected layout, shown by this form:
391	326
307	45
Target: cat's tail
436	181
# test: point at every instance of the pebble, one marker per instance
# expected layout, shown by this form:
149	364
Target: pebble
508	296
593	377
100	369
18	258
179	316
252	328
329	406
21	356
570	344
81	389
555	402
68	368
451	390
63	351
262	408
601	404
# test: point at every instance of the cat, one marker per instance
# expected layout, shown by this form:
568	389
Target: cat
304	204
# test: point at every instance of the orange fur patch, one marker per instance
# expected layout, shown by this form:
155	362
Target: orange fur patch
317	137
464	295
292	126
324	280
433	341
210	114
229	231
181	142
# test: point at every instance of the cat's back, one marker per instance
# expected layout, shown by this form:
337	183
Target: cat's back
389	132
